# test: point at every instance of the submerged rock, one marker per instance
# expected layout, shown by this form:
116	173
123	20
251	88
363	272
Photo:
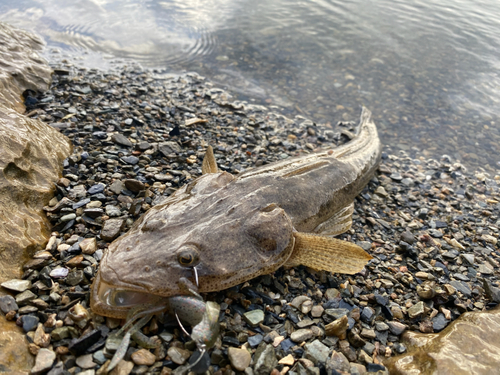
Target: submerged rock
22	68
31	155
469	345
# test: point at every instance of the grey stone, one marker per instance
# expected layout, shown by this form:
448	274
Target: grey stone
400	348
317	352
44	361
59	272
169	148
492	291
27	310
301	335
96	189
111	229
8	303
331	294
416	310
337	361
396	176
254	317
134	186
58	369
17	285
143	146
439	322
365	245
396	328
381	326
85	361
25	297
178	355
99	357
336	313
29	322
166	336
113	211
75	277
117	187
121	140
485	269
67	217
60	333
357	369
264	359
367	314
435	233
112	343
78	192
469	258
461	287
408	237
369	348
254	341
239	358
132	160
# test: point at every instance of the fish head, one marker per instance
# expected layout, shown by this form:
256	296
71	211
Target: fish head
223	229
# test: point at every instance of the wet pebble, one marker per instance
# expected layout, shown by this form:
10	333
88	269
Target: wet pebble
111	229
301	335
8	303
85	361
317	352
17	285
239	358
43	362
145	357
264	360
254	317
178	355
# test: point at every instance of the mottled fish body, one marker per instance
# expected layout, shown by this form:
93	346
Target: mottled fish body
229	229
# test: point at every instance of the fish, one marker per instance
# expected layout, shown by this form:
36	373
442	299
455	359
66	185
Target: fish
220	230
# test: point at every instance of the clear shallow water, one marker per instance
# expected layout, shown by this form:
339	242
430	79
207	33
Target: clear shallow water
429	70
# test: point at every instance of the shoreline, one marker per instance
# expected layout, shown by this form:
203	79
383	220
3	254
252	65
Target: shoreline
431	226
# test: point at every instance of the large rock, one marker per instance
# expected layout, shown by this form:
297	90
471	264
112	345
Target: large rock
469	345
21	68
14	355
31	156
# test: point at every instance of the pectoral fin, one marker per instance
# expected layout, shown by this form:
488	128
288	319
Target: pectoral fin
340	222
328	254
209	164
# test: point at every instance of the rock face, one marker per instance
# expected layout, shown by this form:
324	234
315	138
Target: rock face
21	67
31	156
469	345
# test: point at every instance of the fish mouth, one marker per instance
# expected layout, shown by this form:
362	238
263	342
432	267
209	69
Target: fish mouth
115	302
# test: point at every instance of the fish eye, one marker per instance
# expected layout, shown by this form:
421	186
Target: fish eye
188	255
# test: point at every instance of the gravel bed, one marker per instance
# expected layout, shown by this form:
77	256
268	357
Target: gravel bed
431	226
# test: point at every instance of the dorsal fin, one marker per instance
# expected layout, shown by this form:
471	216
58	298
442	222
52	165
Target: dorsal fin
209	164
